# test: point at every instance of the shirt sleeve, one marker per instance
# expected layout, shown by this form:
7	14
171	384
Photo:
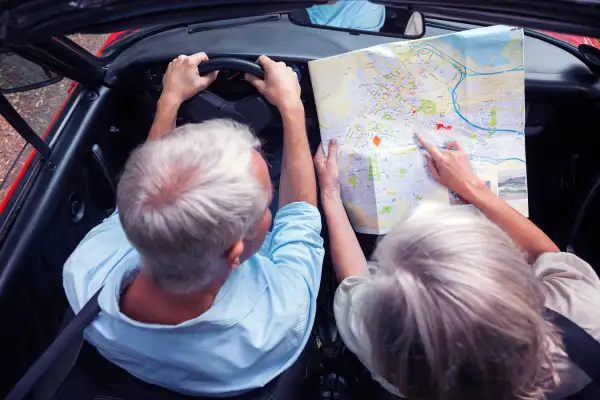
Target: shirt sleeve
572	289
96	256
346	305
349	297
296	243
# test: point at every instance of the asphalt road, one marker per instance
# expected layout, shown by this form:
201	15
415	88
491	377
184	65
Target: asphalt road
37	107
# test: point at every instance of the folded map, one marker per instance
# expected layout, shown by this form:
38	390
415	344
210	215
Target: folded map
467	86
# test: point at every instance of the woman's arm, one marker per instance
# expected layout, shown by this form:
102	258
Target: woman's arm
520	229
452	169
346	253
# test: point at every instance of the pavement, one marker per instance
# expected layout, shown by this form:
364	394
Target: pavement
37	107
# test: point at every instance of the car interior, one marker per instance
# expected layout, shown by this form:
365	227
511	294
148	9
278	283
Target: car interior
91	143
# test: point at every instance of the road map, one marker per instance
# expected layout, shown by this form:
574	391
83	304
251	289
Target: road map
467	86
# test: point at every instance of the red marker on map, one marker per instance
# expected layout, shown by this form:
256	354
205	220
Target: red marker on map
376	141
414	112
442	126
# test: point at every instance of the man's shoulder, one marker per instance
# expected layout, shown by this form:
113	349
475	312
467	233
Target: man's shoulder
282	288
96	256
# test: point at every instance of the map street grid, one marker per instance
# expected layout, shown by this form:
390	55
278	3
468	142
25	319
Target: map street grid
467	86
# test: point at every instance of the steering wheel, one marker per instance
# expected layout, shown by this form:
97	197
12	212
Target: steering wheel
253	110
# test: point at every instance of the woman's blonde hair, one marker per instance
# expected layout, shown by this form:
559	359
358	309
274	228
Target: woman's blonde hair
455	312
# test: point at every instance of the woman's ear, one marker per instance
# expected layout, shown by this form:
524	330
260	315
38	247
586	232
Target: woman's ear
233	254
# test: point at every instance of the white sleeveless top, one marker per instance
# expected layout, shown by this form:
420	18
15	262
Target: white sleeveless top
572	289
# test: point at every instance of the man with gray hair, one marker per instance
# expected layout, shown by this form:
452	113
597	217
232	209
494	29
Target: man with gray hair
196	295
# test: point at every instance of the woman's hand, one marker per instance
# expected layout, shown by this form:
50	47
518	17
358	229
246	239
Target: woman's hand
327	171
451	167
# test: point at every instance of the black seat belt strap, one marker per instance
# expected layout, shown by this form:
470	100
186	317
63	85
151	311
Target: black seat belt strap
71	332
580	346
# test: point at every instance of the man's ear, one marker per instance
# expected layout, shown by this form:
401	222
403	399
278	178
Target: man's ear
233	254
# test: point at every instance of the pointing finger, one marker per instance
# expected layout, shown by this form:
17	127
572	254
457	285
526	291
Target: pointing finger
435	153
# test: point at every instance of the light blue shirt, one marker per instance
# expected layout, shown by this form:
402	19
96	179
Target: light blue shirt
257	327
354	14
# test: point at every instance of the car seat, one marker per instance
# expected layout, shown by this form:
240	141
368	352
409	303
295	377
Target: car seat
93	377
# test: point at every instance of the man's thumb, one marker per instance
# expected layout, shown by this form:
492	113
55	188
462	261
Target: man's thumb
256	82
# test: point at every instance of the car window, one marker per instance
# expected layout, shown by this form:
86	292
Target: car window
14	152
37	107
92	43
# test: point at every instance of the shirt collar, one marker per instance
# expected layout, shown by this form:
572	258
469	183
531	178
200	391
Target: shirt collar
236	298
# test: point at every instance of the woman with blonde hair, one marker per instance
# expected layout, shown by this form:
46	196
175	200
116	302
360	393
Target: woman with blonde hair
452	305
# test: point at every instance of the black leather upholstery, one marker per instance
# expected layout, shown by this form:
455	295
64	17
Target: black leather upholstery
93	377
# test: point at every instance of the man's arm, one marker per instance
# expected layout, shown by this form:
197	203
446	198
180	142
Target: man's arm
164	120
346	254
452	169
181	81
297	181
281	88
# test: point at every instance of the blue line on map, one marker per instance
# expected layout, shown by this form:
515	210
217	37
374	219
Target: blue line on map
495	161
487	159
463	74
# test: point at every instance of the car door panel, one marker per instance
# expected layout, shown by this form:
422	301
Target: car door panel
62	206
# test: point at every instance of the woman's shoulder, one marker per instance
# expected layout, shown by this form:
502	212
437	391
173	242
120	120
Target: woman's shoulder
572	288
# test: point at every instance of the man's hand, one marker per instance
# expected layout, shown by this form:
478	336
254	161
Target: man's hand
182	80
327	171
280	86
451	167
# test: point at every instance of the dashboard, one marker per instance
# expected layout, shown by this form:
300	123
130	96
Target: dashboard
562	94
231	86
553	75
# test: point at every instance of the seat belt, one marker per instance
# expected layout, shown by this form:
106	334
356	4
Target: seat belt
580	346
71	333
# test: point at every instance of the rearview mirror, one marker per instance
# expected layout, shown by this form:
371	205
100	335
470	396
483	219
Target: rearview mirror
19	75
362	16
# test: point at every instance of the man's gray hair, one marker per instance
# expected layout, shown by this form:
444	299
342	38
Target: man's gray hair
454	310
186	198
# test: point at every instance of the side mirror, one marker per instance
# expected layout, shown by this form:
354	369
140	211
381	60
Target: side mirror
362	16
19	75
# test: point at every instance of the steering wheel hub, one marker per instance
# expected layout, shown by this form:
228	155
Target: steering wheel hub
253	111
